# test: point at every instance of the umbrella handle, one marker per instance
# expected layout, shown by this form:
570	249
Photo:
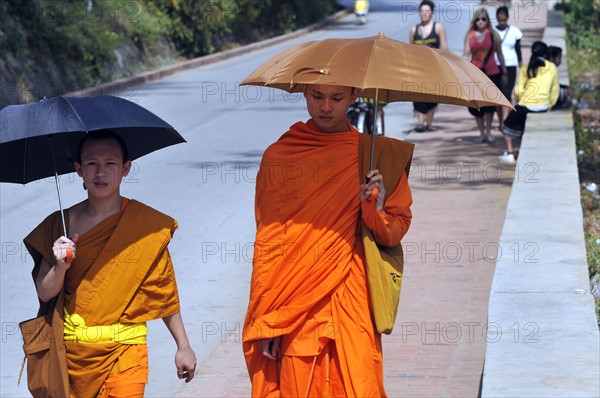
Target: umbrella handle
69	253
62	213
371	161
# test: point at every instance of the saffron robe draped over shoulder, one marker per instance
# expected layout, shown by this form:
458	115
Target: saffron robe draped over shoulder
308	282
122	273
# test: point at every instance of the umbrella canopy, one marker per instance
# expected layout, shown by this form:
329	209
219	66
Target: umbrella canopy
385	69
40	140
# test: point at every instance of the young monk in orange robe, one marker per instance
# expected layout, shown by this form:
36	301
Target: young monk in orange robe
309	330
117	276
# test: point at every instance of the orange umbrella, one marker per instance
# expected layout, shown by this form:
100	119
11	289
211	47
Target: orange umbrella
385	69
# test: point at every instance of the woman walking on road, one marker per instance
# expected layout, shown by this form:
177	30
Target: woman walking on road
481	42
510	39
431	34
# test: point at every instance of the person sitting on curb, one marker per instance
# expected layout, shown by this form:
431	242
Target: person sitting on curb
537	91
566	94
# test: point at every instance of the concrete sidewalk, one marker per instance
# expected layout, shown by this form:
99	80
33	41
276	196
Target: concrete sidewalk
545	294
544	341
460	195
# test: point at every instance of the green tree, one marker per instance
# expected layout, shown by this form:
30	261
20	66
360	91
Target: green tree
583	19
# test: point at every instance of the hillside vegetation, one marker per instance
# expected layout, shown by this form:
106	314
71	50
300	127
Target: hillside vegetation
52	47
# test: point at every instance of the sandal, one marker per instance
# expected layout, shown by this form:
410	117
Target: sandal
419	129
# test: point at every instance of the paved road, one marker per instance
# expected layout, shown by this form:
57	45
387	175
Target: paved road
207	184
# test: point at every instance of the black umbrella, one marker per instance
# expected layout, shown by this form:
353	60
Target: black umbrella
40	140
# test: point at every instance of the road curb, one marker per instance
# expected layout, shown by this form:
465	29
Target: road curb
121	85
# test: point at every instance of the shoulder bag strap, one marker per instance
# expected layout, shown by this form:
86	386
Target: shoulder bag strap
505	34
491	50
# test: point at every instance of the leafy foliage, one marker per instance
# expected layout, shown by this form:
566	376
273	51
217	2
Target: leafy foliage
583	19
203	27
51	47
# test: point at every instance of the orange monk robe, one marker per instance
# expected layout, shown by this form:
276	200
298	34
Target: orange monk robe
308	282
123	262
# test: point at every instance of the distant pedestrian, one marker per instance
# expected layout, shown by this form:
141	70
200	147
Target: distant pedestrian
431	34
510	39
481	41
536	91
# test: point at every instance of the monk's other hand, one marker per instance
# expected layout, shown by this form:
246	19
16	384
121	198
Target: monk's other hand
185	361
64	251
270	347
375	180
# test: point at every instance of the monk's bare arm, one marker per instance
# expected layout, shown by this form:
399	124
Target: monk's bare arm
185	358
51	278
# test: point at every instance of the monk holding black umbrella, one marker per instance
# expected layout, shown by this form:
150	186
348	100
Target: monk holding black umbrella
114	273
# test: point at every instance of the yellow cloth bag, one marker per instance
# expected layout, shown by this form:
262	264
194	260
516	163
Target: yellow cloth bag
384	265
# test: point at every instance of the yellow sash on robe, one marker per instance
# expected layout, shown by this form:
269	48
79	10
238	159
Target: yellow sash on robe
76	330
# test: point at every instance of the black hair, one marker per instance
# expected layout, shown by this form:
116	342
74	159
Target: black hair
539	50
103	135
502	11
429	3
554	52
